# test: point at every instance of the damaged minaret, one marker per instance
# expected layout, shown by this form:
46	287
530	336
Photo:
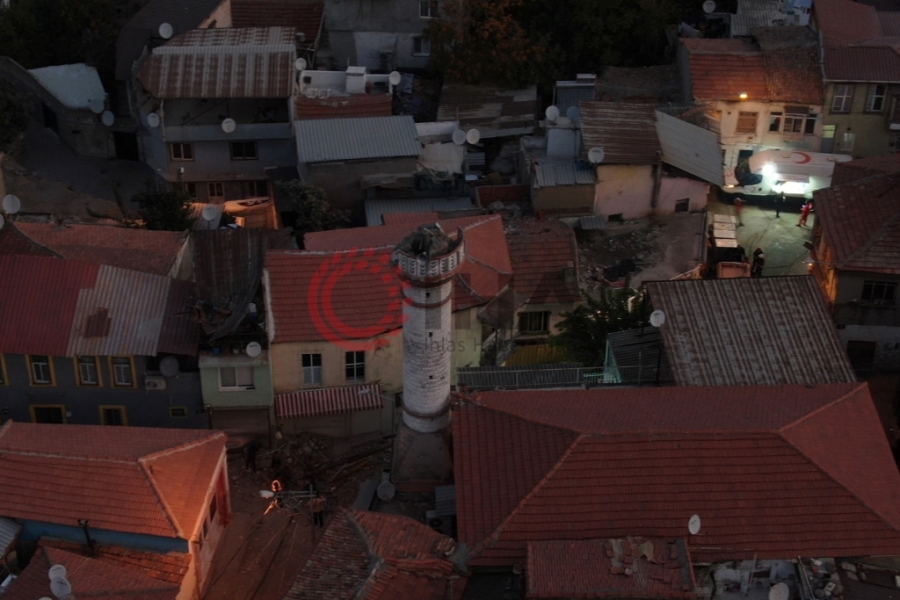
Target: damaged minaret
427	260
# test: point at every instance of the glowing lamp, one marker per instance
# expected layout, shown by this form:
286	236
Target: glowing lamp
743	96
768	169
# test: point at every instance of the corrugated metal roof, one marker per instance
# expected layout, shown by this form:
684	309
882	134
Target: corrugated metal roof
690	148
329	401
256	62
494	111
305	16
325	140
376	208
179	334
625	131
749	331
571	173
73	85
521	377
8	532
756	13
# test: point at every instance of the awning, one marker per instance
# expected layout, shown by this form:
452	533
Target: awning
329	401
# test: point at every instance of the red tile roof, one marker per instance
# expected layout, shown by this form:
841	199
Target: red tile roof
794	75
775	472
541	252
410	218
632	567
303	15
13	241
861	223
135	479
370	556
170	567
722	69
845	21
854	170
88	576
862	63
135	249
329	401
627	132
340	107
353	294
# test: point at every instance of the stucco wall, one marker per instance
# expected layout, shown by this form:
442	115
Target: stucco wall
623	189
762	139
566	199
873	135
673	189
215	396
887	344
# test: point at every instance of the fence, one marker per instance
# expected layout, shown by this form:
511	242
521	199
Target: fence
555	375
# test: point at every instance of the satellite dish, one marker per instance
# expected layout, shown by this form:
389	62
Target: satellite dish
57	571
573	113
253	349
60	587
11	204
2	221
596	155
779	591
169	366
459	137
300	64
552	113
96	105
708	6
166	30
229	125
694	525
395	77
209	212
108	118
473	136
657	318
153	120
386	491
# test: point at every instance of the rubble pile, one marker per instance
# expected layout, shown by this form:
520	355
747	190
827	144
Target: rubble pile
605	258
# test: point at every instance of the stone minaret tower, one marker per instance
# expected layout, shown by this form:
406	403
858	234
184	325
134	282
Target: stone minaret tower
427	260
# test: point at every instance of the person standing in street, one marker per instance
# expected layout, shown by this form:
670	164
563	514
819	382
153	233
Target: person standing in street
738	209
804	213
779	202
318	510
759	261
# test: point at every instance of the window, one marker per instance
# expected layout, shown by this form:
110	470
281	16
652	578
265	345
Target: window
48	413
216	190
746	122
682	205
810	127
312	369
236	377
178	412
190	188
875	98
895	109
182	151
421	46
843	96
534	322
258	189
355	366
88	372
793	128
243	151
879	292
122	368
775	122
427	9
41	370
113	415
848	140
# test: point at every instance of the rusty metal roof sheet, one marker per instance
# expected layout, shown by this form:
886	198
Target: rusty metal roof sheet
749	331
626	131
567	173
494	111
690	148
325	140
255	62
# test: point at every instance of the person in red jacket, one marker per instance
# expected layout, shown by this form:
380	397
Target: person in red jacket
804	213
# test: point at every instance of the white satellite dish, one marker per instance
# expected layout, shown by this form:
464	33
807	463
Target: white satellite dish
573	113
694	525
253	349
96	105
209	212
395	77
2	221
11	204
709	6
300	64
459	137
386	491
552	113
57	571
60	587
229	125
657	318
108	118
153	120
473	136
779	591
166	31
169	366
596	155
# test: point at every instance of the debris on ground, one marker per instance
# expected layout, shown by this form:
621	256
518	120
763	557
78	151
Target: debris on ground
611	256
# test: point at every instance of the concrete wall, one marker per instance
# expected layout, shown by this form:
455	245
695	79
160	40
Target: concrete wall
625	190
149	408
340	180
363	422
887	344
212	160
217	397
466	341
873	134
566	199
673	189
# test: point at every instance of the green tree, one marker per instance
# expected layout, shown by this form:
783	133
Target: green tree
482	41
583	331
165	210
310	210
14	112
